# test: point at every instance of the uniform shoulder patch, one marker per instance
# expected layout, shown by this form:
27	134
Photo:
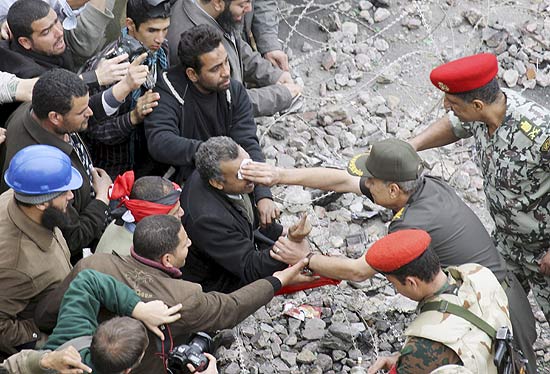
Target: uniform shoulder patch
529	129
545	147
399	215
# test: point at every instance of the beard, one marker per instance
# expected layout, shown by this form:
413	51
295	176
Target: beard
227	22
54	217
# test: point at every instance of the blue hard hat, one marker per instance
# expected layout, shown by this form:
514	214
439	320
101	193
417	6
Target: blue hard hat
42	169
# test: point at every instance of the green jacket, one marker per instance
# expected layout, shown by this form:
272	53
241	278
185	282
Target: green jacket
88	292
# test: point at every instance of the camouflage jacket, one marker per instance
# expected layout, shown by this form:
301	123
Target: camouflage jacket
475	288
515	165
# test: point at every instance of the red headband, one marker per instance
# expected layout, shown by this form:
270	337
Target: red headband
140	209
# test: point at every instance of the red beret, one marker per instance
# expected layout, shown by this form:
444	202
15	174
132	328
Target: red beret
397	249
465	74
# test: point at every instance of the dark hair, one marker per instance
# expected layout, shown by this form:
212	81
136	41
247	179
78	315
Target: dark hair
425	267
195	42
55	91
211	153
151	188
118	344
23	13
488	93
141	11
156	235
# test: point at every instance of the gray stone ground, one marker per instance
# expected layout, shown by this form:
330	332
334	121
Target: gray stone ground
365	70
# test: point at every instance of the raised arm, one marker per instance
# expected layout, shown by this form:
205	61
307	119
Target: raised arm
438	134
320	178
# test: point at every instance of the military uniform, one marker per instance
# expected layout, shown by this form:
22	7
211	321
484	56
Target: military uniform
458	237
476	289
515	165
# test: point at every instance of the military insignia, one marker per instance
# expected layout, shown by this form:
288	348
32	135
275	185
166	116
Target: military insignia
443	87
545	147
399	215
528	129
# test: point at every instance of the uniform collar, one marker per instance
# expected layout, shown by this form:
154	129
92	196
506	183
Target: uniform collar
173	272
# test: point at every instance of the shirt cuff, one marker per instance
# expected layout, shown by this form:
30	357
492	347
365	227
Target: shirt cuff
275	282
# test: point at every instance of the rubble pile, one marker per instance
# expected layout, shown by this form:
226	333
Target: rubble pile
365	67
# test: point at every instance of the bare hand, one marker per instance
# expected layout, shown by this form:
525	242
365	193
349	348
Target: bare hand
261	173
137	73
294	88
383	363
101	182
289	252
66	361
112	70
156	313
293	274
278	58
285	78
144	106
2	135
5	32
268	211
544	264
211	369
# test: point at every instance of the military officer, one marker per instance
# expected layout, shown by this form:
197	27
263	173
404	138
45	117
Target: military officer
435	338
391	175
512	138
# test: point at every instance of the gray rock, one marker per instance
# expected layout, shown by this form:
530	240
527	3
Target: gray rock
347	139
381	45
338	355
232	368
285	161
306	47
363	62
473	16
305	357
412	23
291	340
280	366
346	331
341	79
365	5
332	142
511	77
350	28
328	60
314	328
323	361
381	14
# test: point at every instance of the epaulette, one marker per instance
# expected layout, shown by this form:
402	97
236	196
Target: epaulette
399	215
529	129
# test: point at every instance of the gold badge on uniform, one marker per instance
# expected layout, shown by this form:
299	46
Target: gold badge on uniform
530	130
399	215
443	87
545	147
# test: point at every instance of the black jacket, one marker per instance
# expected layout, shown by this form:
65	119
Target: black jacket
224	255
174	131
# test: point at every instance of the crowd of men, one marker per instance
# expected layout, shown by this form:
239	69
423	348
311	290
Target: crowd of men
187	238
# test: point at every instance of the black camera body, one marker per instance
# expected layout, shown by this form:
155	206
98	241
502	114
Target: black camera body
127	44
192	353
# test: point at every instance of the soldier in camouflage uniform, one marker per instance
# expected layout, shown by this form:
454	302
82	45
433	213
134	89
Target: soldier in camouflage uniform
435	338
512	139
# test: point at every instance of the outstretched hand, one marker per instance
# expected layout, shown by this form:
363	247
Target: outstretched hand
261	173
156	313
294	274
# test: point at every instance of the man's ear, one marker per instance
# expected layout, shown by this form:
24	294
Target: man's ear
192	75
412	281
216	184
25	42
166	260
130	25
218	5
42	207
479	105
55	118
394	190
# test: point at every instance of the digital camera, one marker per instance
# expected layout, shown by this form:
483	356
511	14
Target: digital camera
192	353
